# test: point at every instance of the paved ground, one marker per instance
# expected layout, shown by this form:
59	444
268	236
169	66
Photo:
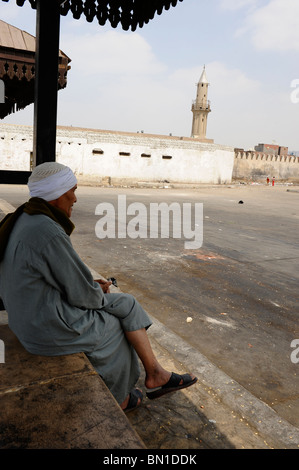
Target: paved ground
240	289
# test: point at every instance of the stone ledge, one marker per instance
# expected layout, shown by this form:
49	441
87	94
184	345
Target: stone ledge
57	403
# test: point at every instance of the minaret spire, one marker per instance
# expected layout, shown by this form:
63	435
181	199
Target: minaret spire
201	108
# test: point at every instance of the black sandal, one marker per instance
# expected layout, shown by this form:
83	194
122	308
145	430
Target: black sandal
172	385
135	395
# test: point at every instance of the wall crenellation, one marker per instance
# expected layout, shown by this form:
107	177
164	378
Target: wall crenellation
255	165
253	155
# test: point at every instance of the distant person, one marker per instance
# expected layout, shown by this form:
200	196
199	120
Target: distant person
54	305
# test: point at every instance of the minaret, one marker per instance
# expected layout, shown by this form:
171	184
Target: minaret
201	108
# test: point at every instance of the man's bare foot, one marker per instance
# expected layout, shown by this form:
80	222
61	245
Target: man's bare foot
157	379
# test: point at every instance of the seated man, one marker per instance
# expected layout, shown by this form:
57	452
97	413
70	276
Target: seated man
54	305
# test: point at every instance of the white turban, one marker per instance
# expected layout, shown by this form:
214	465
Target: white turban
50	180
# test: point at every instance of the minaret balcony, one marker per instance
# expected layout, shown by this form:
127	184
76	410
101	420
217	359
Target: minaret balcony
201	106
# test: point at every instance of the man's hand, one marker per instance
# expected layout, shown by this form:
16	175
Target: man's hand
104	285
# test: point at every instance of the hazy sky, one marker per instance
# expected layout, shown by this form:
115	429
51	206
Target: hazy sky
146	80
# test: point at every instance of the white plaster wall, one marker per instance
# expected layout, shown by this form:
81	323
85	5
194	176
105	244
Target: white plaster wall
192	161
15	147
190	166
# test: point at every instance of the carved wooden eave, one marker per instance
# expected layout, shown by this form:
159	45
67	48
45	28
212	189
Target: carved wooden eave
17	68
127	14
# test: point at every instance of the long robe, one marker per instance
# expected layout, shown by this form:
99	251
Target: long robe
55	307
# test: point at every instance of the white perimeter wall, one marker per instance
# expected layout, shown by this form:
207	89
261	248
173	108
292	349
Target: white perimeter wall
104	154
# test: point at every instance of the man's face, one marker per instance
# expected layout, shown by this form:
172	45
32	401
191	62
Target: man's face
66	201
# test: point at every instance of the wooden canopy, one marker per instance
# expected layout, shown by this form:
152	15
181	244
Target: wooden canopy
17	68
